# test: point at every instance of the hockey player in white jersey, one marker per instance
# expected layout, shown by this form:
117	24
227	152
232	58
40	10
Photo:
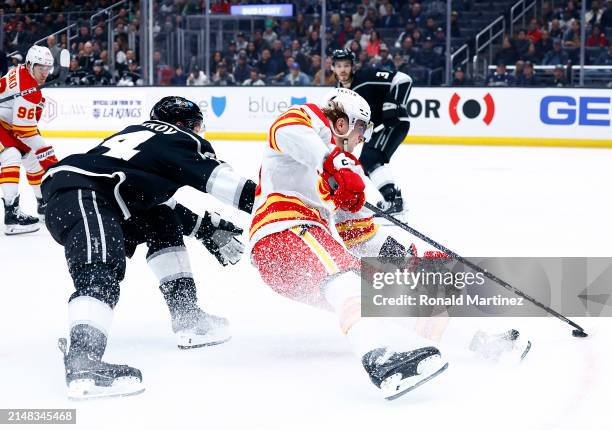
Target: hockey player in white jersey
308	173
20	139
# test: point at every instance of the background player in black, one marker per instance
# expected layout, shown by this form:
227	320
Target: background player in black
387	94
102	204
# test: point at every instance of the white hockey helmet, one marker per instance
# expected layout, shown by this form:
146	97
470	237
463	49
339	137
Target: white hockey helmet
39	55
354	106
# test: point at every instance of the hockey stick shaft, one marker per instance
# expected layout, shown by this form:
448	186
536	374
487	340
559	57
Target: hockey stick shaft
469	264
65	60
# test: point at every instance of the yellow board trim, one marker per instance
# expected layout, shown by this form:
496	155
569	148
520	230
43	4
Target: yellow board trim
429	140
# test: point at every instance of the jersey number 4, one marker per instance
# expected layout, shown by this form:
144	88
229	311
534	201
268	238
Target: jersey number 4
123	146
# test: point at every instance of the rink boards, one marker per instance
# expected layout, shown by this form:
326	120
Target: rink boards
468	116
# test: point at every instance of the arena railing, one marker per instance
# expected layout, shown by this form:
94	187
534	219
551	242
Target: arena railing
519	11
484	39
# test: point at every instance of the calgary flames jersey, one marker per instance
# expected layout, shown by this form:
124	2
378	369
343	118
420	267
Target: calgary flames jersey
290	191
20	116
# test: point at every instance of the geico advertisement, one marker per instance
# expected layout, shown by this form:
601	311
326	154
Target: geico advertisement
480	112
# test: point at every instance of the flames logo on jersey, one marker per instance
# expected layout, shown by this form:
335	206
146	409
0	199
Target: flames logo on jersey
471	109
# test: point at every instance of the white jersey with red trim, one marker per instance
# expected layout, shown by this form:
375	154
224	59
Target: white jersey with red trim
290	191
20	116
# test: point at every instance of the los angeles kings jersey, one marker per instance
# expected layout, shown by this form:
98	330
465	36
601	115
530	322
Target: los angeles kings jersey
144	165
380	86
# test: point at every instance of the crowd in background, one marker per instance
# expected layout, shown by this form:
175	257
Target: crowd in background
391	35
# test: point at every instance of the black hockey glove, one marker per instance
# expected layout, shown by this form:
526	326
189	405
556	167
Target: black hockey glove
393	114
220	237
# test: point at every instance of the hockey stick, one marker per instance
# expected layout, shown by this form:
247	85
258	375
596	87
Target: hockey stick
64	63
579	332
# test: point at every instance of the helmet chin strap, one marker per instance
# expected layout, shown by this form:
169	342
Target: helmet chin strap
344	137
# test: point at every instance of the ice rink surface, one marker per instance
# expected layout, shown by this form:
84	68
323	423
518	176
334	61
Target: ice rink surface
288	366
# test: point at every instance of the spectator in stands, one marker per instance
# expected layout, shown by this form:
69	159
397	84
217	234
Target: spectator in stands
547	12
606	16
298	54
428	57
559	76
556	31
430	27
408	52
278	52
534	33
269	34
358	16
408	29
357	35
220	7
252	54
386	61
83	36
266	66
296	76
259	41
313	44
414	12
389	19
507	54
455	29
373	47
87	57
593	15
528	78
500	77
571	37
531	54
179	78
330	78
217	57
197	77
460	79
132	76
605	58
518	69
242	69
314	67
223	77
300	26
346	33
417	37
569	13
286	34
597	38
19	39
253	80
556	56
100	76
241	42
330	41
55	52
75	73
544	45
439	41
521	42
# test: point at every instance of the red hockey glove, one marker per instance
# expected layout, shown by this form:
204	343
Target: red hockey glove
347	187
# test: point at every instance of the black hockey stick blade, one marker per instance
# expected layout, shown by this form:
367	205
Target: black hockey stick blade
64	63
579	332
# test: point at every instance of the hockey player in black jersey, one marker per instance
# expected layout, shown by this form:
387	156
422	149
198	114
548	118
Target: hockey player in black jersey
103	203
387	94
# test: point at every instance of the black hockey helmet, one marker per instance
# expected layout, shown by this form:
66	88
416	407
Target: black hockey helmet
343	54
178	111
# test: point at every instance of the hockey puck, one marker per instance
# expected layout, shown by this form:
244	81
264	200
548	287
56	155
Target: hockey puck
579	333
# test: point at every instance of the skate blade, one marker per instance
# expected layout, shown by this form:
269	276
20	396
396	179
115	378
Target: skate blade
189	340
86	389
22	229
394	386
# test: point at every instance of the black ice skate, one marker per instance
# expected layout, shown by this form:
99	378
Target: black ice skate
16	222
396	373
41	206
195	328
392	203
508	346
88	377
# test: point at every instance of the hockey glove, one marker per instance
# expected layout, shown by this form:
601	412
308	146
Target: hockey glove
393	114
220	237
347	187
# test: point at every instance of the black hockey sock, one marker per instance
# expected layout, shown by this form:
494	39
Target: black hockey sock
87	340
180	295
98	280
